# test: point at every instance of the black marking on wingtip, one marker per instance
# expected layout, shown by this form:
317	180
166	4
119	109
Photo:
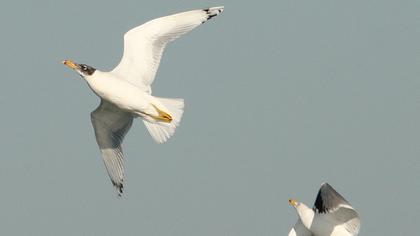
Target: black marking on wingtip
120	188
209	15
327	199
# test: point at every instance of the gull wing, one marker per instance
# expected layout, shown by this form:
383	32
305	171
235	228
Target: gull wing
111	124
144	45
299	230
337	208
328	200
347	217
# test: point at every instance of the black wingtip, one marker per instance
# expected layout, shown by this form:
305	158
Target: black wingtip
212	12
120	189
328	199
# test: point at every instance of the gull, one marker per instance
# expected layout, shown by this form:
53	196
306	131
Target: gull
331	215
126	92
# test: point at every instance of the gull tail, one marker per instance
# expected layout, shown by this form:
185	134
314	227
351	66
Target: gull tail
162	131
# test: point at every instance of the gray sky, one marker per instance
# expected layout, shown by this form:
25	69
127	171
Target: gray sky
280	97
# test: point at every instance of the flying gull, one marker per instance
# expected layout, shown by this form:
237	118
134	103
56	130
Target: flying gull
126	93
331	215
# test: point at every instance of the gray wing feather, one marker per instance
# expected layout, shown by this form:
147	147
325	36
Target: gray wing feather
111	124
328	199
348	217
299	230
337	208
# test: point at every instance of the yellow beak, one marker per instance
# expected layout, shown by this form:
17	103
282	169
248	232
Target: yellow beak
70	64
293	202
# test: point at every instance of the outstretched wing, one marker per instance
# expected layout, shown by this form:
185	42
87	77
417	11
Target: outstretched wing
299	230
337	209
144	45
111	124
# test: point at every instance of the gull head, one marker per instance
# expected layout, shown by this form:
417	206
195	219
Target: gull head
305	213
82	69
300	207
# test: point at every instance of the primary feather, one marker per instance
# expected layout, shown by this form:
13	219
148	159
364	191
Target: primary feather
144	45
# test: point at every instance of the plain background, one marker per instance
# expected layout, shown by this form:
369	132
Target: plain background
280	97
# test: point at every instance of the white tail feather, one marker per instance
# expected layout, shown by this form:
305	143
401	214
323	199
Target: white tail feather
161	131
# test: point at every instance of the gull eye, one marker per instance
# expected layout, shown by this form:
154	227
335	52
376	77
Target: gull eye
84	68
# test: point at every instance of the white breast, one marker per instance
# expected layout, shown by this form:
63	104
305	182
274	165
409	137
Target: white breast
119	92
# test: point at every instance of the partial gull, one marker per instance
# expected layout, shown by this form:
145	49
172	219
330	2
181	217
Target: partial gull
126	92
332	215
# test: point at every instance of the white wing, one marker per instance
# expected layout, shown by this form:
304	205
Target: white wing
111	125
299	230
144	45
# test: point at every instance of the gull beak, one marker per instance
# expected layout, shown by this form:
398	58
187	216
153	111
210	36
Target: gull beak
70	64
293	202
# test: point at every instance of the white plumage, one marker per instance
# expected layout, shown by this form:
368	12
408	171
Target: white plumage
144	45
331	215
125	91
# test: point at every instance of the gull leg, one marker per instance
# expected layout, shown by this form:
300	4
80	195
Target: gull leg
162	116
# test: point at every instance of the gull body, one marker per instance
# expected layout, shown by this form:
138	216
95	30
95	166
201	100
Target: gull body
331	215
125	96
319	224
126	92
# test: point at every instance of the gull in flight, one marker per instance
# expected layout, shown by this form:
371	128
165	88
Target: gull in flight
126	93
331	215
